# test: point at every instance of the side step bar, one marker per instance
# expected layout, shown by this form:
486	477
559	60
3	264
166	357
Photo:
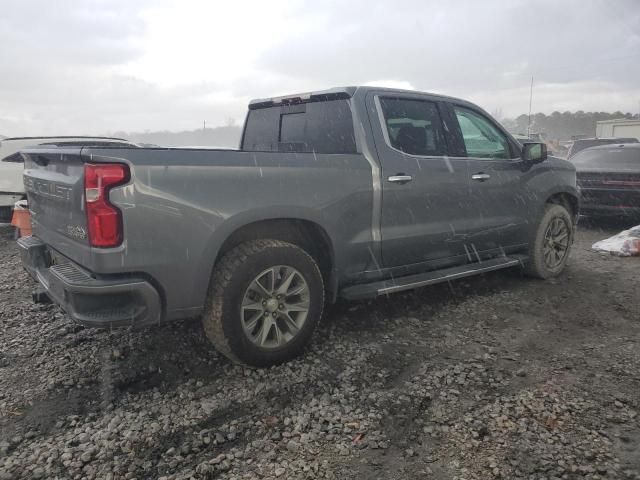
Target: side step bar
369	290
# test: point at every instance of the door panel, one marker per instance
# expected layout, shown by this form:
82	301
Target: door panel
424	211
501	204
497	186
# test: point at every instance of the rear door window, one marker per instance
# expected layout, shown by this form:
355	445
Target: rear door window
481	138
413	126
320	127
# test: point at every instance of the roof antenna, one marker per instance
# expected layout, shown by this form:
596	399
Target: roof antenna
530	99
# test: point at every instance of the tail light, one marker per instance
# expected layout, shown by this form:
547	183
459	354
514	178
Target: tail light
104	220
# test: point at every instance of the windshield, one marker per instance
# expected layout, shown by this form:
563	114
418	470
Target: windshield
609	158
319	240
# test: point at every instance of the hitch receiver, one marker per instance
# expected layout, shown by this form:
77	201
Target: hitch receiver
40	296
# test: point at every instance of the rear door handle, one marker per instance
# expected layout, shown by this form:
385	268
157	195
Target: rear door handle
400	178
480	177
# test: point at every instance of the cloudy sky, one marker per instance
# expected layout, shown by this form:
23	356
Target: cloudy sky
98	66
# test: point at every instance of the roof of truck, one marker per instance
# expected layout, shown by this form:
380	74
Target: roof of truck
333	93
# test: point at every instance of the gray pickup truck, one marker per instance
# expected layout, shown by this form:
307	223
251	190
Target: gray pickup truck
350	192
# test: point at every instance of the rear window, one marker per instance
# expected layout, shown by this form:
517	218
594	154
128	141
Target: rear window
320	127
608	159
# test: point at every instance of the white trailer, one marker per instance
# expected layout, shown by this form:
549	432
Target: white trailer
618	128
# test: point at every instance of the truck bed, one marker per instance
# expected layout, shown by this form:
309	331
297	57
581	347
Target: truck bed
181	204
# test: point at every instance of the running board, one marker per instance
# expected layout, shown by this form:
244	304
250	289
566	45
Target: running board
369	290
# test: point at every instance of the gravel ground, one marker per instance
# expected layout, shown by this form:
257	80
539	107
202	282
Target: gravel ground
498	376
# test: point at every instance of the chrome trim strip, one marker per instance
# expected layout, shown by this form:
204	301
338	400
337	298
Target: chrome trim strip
453	276
383	124
480	176
399	178
376	179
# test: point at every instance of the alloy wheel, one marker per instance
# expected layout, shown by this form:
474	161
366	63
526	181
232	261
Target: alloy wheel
556	242
275	306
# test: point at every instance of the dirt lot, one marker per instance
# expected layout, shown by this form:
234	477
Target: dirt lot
498	376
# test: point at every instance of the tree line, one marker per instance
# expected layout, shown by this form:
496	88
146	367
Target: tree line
227	136
556	126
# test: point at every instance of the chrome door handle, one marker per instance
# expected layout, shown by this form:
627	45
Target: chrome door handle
400	178
481	177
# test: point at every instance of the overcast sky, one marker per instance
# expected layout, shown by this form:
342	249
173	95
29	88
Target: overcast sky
98	66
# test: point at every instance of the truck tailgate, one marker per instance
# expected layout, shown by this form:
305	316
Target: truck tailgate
54	183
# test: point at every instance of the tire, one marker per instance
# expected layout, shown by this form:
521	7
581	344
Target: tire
239	310
554	218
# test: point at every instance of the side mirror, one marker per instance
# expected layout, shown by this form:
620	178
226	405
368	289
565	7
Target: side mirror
534	152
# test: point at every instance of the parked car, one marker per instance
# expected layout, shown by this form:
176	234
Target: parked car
351	192
581	144
609	179
11	164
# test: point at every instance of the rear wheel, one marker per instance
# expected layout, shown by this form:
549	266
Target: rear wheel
550	246
265	300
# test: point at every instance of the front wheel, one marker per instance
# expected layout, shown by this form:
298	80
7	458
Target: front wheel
265	299
551	243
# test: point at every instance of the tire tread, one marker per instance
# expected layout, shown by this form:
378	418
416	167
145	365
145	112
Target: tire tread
535	265
232	261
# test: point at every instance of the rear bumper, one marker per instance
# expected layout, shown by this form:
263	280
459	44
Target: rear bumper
91	301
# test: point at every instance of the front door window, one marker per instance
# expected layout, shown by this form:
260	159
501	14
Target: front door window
481	138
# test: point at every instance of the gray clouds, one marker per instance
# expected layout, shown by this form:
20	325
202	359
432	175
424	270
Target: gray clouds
468	46
71	67
56	58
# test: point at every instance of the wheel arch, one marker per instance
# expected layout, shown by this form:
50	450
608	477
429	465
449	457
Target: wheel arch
304	233
567	200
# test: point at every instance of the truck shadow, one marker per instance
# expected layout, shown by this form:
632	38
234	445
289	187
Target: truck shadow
163	356
424	302
180	351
